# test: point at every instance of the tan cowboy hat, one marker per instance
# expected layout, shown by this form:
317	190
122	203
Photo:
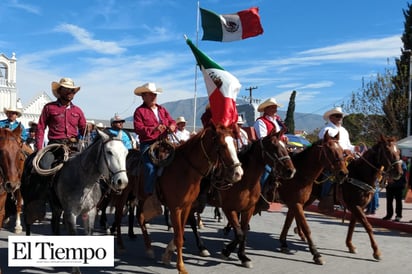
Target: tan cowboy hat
64	82
13	109
335	110
100	125
240	120
117	118
148	87
180	119
269	102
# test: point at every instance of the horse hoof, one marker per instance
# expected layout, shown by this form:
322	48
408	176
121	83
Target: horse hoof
18	230
132	236
247	264
204	253
319	261
353	251
377	257
165	259
224	257
285	250
150	254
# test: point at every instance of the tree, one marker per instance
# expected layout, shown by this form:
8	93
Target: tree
290	120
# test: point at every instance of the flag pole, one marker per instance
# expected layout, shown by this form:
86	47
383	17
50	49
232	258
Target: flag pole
195	96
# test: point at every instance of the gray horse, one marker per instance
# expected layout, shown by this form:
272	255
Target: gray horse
76	186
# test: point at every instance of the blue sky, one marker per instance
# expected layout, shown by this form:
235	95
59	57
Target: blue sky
322	49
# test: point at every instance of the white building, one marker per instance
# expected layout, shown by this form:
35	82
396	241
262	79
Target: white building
9	93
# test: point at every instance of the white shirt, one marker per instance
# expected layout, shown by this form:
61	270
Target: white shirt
260	126
332	129
182	135
243	139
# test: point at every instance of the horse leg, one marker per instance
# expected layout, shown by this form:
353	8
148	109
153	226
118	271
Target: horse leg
19	201
218	215
234	222
360	215
199	243
166	216
55	221
199	221
130	231
244	221
179	217
351	229
303	224
146	237
88	221
3	197
70	222
288	222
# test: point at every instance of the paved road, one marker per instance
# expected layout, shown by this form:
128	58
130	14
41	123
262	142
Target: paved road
262	248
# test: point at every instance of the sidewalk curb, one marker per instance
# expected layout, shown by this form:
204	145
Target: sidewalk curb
375	222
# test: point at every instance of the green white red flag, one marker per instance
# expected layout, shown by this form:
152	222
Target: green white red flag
222	88
230	27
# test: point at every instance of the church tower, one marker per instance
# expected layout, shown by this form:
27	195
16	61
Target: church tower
8	89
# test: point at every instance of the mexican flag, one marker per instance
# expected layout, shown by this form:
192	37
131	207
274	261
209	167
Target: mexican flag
230	27
222	88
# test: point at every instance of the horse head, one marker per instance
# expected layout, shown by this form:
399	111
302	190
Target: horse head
276	154
114	155
225	145
11	159
332	155
387	155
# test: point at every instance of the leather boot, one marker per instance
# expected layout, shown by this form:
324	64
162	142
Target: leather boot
152	207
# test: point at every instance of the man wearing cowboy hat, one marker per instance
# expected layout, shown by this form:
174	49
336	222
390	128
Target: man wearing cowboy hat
151	122
243	138
182	134
269	121
65	121
334	119
11	122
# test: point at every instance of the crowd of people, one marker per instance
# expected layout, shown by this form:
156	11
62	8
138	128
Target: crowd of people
63	122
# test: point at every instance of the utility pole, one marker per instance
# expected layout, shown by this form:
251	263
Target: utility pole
250	93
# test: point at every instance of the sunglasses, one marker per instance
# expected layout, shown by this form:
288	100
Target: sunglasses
337	115
67	90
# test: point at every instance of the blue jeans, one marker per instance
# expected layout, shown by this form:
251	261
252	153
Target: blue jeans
265	176
374	203
149	169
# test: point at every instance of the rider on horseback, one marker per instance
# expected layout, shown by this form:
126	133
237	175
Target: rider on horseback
151	123
334	118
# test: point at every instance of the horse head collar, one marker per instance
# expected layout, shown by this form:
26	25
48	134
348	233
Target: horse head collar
275	150
388	157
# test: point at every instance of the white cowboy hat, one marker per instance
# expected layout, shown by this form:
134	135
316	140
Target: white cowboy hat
335	110
13	109
180	119
269	102
100	125
148	87
240	120
92	122
64	82
117	118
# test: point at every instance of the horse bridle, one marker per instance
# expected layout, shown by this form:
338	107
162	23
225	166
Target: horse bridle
111	173
2	176
323	152
275	159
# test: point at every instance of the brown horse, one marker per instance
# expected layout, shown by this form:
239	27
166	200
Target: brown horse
382	160
323	154
242	197
12	159
179	183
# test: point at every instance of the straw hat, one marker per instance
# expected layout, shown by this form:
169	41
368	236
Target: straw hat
13	109
148	87
180	119
269	102
335	110
117	118
64	82
99	125
92	122
240	120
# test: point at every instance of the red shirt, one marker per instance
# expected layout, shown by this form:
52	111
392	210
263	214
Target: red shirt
145	122
63	122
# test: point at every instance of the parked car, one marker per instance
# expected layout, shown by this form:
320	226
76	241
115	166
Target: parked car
297	143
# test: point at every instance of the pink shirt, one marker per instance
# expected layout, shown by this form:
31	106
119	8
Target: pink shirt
63	122
145	122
